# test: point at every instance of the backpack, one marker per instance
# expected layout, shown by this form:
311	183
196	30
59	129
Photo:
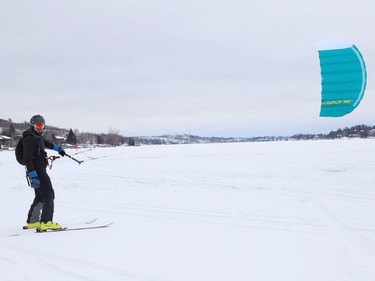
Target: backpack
19	152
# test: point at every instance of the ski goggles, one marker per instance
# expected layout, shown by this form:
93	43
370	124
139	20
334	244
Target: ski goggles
39	125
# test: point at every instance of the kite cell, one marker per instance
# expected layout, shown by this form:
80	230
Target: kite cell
343	74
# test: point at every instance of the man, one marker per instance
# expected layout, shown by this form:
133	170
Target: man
41	210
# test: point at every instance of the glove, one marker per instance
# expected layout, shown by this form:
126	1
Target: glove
34	180
59	149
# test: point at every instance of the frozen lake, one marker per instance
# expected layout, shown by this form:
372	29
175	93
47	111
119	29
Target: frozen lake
247	211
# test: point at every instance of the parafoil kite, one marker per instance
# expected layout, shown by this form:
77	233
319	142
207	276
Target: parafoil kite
344	77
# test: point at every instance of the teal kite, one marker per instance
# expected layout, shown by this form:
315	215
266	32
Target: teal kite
343	73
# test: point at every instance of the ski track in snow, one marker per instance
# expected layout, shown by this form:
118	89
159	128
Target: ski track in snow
71	268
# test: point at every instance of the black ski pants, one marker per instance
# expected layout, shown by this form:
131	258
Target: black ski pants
42	208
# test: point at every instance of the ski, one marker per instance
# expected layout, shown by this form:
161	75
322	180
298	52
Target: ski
38	230
25	229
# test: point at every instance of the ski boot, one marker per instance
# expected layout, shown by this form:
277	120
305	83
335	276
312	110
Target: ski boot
31	225
44	226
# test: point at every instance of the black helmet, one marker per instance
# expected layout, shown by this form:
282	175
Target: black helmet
36	119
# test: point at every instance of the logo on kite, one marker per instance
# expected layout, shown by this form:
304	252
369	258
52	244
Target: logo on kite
343	73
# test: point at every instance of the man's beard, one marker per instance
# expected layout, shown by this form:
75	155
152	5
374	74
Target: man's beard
38	133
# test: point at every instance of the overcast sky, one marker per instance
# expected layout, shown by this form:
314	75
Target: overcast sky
203	67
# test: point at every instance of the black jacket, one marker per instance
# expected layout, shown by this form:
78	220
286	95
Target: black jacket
34	153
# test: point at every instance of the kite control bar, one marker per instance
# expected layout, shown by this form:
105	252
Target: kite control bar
78	161
53	158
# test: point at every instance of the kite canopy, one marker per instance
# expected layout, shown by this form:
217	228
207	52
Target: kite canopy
344	78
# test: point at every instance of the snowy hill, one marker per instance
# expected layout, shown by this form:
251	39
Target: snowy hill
259	211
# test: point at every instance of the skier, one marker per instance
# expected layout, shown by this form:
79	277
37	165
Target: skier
41	210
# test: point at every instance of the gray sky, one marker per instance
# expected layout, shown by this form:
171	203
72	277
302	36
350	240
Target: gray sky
203	67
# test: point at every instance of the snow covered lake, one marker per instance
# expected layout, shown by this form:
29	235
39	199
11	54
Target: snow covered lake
288	211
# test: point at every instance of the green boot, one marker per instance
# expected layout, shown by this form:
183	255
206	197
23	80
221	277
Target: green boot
31	225
49	225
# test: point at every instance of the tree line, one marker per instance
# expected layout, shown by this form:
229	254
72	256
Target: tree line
358	131
67	136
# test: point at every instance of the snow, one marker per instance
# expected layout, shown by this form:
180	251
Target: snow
245	211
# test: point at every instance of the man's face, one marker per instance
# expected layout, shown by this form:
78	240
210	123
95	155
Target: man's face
38	128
